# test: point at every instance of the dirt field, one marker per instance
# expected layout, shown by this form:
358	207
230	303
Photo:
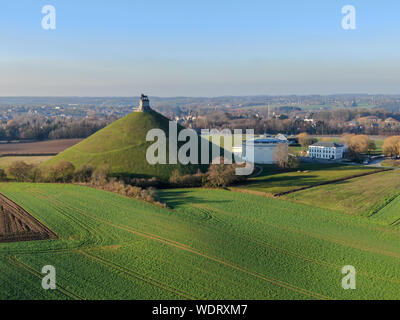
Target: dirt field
16	224
37	148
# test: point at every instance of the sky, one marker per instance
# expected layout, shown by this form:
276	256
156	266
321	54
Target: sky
198	48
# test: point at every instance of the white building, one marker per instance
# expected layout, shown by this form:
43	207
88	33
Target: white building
326	150
262	148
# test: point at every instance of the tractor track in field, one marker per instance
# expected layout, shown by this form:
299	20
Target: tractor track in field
318	184
280	194
51	201
137	275
343	242
39	251
13	261
395	223
92	233
202	208
322	219
223	262
93	239
187	248
385	204
285	251
269	246
381	206
198	252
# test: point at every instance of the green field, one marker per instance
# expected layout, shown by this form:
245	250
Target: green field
273	181
212	244
295	150
379	144
35	160
389	214
359	196
391	163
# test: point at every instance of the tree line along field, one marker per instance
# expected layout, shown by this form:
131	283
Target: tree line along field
210	244
272	181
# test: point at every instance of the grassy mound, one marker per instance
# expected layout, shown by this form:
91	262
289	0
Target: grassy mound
121	147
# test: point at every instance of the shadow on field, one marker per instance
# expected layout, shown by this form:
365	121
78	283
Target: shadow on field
177	198
283	181
271	170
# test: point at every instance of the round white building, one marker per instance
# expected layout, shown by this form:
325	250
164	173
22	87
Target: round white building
259	150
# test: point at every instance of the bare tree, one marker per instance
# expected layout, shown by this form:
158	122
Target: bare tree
281	156
63	171
222	175
305	140
20	171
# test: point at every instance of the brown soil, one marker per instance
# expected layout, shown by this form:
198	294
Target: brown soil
37	148
16	224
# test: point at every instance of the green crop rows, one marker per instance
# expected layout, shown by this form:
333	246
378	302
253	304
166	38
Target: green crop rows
210	245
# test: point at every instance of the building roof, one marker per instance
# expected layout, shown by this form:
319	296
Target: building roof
368	119
327	144
281	136
390	119
265	141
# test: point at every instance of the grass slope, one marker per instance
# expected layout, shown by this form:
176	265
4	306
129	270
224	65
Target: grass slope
359	196
122	147
273	181
389	213
213	244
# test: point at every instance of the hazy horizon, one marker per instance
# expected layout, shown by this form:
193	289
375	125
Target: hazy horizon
207	97
207	49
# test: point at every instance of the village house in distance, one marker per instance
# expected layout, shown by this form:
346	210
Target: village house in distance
326	150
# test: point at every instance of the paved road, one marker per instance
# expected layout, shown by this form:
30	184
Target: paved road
376	162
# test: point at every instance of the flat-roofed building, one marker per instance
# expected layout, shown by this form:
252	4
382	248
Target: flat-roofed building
326	150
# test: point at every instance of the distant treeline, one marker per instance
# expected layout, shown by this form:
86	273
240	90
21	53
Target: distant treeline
43	128
288	120
323	122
